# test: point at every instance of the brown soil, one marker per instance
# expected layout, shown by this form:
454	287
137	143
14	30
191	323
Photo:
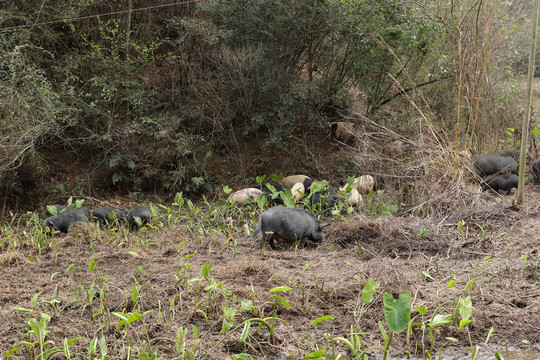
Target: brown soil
326	280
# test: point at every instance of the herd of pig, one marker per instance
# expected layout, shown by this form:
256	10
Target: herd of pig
301	186
290	225
498	172
60	217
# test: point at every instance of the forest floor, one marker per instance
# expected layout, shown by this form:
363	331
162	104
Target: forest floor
490	250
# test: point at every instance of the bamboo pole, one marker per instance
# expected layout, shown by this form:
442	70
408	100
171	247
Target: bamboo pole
128	27
527	112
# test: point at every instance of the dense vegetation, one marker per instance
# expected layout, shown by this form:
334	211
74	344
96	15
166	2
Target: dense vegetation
145	93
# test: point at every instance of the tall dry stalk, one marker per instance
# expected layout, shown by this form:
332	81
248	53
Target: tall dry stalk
472	31
528	102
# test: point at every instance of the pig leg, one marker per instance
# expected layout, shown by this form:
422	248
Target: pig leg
269	238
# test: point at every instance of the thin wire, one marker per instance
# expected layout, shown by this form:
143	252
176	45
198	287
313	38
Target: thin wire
98	15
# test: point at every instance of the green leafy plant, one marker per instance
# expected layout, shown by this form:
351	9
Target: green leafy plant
397	313
354	343
116	161
128	319
268	322
93	347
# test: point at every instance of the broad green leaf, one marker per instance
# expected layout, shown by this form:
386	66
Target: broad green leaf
321	319
316	355
127	319
92	347
138	220
282	301
246	225
465	308
422	310
92	264
52	209
280	288
245	331
12	351
45	317
397	312
134	316
463	323
228	318
66	349
69	268
34	299
427	276
369	290
246	304
242	356
21	309
439	320
122	322
154	209
469	284
206	269
383	332
134	293
489	335
145	356
287	198
71	341
225	291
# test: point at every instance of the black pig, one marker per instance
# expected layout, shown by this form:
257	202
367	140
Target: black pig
325	199
63	221
62	209
107	215
289	224
491	164
536	169
141	213
501	182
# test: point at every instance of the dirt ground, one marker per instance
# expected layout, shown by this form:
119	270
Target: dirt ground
418	255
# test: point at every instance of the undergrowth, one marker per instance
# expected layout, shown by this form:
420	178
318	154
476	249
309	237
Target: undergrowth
247	324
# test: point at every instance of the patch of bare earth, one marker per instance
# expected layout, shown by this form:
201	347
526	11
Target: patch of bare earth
327	280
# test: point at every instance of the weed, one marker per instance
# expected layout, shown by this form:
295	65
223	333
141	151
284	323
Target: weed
128	319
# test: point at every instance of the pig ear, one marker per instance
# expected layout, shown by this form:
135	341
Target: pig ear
322	226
